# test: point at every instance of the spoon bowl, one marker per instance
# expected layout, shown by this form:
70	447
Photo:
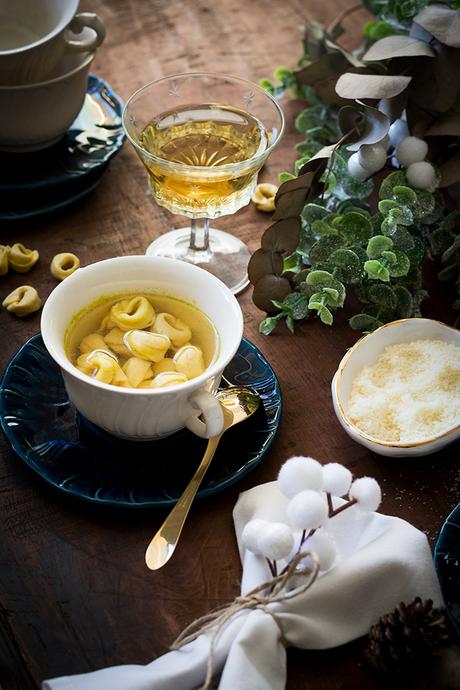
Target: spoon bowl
238	403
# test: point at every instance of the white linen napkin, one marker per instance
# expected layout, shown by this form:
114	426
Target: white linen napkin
380	562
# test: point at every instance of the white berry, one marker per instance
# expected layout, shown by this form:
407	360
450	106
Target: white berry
355	168
336	479
324	547
276	541
411	150
299	473
422	175
251	533
398	131
367	492
372	157
307	510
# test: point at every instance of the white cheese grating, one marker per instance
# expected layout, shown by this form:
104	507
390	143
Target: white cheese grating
410	394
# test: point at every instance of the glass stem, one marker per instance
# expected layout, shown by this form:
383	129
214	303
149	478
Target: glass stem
199	234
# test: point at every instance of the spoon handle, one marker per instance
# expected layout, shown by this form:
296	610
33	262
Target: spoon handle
163	544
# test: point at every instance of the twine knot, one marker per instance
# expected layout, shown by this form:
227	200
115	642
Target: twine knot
275	591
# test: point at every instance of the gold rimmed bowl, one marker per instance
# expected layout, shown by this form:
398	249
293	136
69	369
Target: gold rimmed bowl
365	353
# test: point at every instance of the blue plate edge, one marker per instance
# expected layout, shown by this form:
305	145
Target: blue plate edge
204	493
439	552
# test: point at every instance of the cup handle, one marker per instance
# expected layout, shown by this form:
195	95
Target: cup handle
80	22
210	409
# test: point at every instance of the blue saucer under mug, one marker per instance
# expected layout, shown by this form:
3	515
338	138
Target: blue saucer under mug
82	460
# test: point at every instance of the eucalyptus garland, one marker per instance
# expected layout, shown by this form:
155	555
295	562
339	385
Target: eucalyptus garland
334	234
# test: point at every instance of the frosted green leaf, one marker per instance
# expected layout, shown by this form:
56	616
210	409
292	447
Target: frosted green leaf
377	245
390	258
269	324
332	297
402	215
347	265
424	205
383	295
347	187
323	248
403	240
320	279
360	252
447	273
285	176
297	304
290	323
416	253
403	302
401	266
385	205
322	229
376	271
364	322
326	316
355	228
440	240
392	180
312	212
405	195
353	205
389	226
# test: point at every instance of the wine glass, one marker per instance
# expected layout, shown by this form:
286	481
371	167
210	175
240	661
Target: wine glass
203	139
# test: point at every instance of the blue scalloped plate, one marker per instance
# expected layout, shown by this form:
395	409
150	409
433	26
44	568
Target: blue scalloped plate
447	563
41	182
81	460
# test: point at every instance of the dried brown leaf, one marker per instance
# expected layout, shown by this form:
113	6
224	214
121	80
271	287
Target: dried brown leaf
290	205
328	66
270	287
450	170
282	237
435	85
447	125
397	46
378	86
442	22
263	263
370	124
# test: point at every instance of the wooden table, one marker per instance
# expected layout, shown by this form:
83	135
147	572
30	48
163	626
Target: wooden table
75	594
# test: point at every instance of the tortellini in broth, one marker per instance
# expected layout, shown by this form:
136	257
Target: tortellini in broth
142	341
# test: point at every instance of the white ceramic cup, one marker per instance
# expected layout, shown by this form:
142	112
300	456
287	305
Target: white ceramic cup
35	34
35	116
139	413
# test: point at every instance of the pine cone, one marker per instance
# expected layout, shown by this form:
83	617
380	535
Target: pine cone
406	639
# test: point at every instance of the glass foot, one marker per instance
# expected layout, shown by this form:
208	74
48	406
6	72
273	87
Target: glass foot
227	257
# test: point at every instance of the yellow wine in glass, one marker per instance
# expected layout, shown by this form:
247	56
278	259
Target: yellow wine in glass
202	158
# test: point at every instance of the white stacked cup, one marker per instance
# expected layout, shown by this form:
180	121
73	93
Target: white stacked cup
46	50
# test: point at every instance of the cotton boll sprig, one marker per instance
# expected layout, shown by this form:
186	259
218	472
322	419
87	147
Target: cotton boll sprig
313	490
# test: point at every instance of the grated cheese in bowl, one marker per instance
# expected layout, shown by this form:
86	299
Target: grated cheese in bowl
410	394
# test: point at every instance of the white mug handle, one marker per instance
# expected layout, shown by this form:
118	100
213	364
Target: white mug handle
80	22
210	409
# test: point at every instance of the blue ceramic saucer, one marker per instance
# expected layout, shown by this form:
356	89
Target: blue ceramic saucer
33	184
81	460
447	563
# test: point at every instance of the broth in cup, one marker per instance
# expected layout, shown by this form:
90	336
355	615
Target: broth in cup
141	341
76	317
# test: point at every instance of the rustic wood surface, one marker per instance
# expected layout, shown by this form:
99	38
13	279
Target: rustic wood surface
75	594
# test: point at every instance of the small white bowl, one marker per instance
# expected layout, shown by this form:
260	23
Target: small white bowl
365	353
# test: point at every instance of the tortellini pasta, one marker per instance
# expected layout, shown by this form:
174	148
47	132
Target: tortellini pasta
146	345
63	265
176	330
136	312
23	301
21	259
4	252
103	366
130	345
189	361
93	341
264	197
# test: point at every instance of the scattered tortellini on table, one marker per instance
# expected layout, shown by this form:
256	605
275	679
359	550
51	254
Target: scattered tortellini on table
138	348
63	265
264	197
23	300
18	257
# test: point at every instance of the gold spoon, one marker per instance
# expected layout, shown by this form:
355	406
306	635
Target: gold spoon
238	403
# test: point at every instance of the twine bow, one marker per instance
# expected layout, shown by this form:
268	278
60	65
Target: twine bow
254	599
